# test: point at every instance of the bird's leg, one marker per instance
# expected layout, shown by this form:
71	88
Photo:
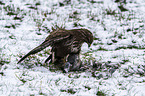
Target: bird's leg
67	67
53	57
50	57
75	61
60	62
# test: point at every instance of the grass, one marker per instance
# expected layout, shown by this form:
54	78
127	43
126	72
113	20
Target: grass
3	60
109	55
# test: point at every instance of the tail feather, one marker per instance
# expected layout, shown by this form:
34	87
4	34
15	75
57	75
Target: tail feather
35	50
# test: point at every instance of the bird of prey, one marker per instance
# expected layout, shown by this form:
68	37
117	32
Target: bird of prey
66	46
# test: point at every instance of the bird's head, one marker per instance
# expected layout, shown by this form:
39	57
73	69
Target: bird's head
88	36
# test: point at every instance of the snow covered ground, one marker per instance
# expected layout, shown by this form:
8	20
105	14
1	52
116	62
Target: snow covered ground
119	46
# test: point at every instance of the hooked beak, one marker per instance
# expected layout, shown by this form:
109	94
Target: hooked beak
89	45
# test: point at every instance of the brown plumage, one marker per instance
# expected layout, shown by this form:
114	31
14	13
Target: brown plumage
63	43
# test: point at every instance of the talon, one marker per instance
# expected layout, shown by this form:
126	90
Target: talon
67	66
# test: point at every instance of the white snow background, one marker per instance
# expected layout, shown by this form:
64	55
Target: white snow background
119	40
